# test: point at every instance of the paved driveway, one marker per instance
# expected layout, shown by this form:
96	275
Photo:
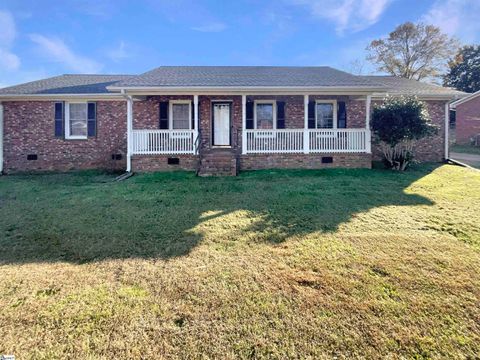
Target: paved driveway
469	159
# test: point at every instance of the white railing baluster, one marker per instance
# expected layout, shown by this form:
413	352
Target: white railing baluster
292	141
162	142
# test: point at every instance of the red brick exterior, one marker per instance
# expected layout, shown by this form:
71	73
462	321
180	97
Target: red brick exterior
146	113
356	109
29	129
205	120
148	163
467	121
430	149
304	161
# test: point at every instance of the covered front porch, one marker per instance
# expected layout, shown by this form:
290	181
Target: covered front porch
237	128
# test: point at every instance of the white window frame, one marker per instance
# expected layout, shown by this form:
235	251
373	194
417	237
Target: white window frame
67	121
274	105
335	118
170	113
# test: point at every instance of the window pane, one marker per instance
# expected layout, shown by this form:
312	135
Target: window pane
78	120
264	116
324	116
181	116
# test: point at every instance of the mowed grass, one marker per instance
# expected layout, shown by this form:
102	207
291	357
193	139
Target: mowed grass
270	264
466	149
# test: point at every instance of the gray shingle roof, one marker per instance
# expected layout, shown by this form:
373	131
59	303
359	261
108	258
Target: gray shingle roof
66	84
402	86
227	76
246	76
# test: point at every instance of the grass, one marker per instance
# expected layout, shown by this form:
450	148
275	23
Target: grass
466	149
271	264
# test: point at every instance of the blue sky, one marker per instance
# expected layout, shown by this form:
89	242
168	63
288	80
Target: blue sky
44	38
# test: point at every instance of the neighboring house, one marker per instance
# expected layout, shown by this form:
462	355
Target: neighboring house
467	119
215	120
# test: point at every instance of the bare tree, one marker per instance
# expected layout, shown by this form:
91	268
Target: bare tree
413	51
356	67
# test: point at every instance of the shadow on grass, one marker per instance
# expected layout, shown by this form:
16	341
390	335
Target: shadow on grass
84	217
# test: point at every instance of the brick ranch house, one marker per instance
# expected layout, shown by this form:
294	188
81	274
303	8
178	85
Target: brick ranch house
467	119
213	120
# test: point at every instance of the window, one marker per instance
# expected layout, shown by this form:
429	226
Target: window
326	115
265	114
180	114
76	120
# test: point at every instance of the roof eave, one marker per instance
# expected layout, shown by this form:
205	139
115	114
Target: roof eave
464	99
245	89
89	96
425	96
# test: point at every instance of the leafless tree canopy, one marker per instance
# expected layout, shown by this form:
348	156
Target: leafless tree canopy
413	51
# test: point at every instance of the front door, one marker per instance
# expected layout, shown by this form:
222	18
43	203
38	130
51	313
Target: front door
221	124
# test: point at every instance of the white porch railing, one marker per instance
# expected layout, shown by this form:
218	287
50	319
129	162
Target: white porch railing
257	141
163	142
320	141
274	141
338	141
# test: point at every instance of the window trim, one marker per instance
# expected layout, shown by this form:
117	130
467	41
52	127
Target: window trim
274	105
335	115
67	120
170	113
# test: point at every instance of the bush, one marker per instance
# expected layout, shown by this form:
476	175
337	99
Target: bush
398	124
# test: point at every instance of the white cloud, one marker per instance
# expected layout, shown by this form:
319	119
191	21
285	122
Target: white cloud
347	15
8	33
456	17
9	60
56	50
119	53
210	27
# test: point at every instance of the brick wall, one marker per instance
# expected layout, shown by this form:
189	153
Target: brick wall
29	129
467	121
294	109
303	161
205	114
146	113
147	163
430	149
356	109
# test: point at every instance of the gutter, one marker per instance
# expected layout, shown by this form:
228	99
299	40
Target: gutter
247	89
466	98
48	97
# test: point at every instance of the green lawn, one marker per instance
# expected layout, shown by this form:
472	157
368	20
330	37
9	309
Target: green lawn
467	149
271	264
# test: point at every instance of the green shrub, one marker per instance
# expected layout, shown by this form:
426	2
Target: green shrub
398	124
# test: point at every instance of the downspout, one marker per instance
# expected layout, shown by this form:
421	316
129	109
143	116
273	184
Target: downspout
129	129
447	128
1	138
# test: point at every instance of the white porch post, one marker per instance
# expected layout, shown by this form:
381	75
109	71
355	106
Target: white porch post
447	128
244	124
306	137
195	120
368	133
129	132
1	138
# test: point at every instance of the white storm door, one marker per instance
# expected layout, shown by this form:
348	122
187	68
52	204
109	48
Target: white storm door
221	124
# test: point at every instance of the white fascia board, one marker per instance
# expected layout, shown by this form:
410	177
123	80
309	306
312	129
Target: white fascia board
464	99
49	97
245	89
446	97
